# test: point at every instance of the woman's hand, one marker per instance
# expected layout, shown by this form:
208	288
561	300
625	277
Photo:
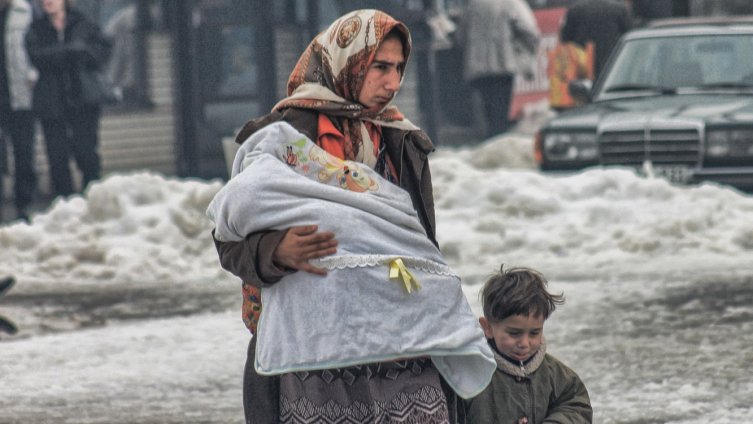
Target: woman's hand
301	244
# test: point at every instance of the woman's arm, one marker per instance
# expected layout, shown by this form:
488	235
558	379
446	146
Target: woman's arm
250	259
263	258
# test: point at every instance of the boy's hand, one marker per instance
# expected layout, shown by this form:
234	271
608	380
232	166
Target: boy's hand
301	244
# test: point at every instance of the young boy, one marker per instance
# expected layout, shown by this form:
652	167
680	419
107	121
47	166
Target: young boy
530	386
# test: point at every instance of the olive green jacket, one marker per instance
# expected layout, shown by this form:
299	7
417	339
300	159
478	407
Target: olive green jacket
544	390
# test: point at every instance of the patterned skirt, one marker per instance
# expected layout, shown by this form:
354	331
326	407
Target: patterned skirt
388	392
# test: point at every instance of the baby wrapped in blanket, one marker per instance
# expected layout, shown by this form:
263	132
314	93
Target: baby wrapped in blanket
388	293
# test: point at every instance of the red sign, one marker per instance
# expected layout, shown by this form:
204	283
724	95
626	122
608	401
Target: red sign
537	89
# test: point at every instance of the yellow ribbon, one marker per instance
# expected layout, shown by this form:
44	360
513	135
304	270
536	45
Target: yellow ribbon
398	270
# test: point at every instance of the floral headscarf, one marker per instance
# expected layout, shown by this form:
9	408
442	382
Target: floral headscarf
330	73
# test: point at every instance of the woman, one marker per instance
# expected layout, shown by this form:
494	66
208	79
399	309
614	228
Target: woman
68	50
339	96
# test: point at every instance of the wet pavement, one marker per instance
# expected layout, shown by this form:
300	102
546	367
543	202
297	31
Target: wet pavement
648	351
51	310
51	315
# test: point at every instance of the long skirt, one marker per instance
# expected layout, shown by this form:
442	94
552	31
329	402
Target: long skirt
406	391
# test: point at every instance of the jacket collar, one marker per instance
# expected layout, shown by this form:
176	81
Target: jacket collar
518	369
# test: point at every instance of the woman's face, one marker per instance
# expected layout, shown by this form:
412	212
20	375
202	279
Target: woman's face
383	77
53	7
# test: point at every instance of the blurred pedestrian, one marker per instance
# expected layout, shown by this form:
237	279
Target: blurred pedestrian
601	22
69	51
501	41
121	70
17	78
567	62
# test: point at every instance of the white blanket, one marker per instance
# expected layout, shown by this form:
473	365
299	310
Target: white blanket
356	314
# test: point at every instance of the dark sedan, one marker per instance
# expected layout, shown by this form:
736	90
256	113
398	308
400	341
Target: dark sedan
675	100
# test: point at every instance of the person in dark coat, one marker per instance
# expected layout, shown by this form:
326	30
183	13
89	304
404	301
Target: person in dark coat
501	42
599	21
68	50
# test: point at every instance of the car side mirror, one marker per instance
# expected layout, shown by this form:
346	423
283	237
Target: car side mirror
580	90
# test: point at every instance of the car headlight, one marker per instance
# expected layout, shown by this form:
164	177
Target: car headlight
575	146
729	143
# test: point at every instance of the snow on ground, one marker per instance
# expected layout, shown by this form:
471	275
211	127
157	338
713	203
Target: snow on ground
491	208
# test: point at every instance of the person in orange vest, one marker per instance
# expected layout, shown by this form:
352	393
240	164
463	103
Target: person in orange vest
601	22
567	62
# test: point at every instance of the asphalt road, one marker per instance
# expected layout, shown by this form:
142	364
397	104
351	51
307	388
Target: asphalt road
51	314
649	351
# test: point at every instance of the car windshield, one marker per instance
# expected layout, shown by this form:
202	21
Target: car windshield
662	65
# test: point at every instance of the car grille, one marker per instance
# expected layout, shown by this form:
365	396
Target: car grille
662	146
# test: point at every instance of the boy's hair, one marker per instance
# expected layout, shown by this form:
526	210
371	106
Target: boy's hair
518	291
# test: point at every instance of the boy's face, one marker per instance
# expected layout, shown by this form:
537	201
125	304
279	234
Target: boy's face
517	336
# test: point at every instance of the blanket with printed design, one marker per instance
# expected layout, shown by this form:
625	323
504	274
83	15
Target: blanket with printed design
388	293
